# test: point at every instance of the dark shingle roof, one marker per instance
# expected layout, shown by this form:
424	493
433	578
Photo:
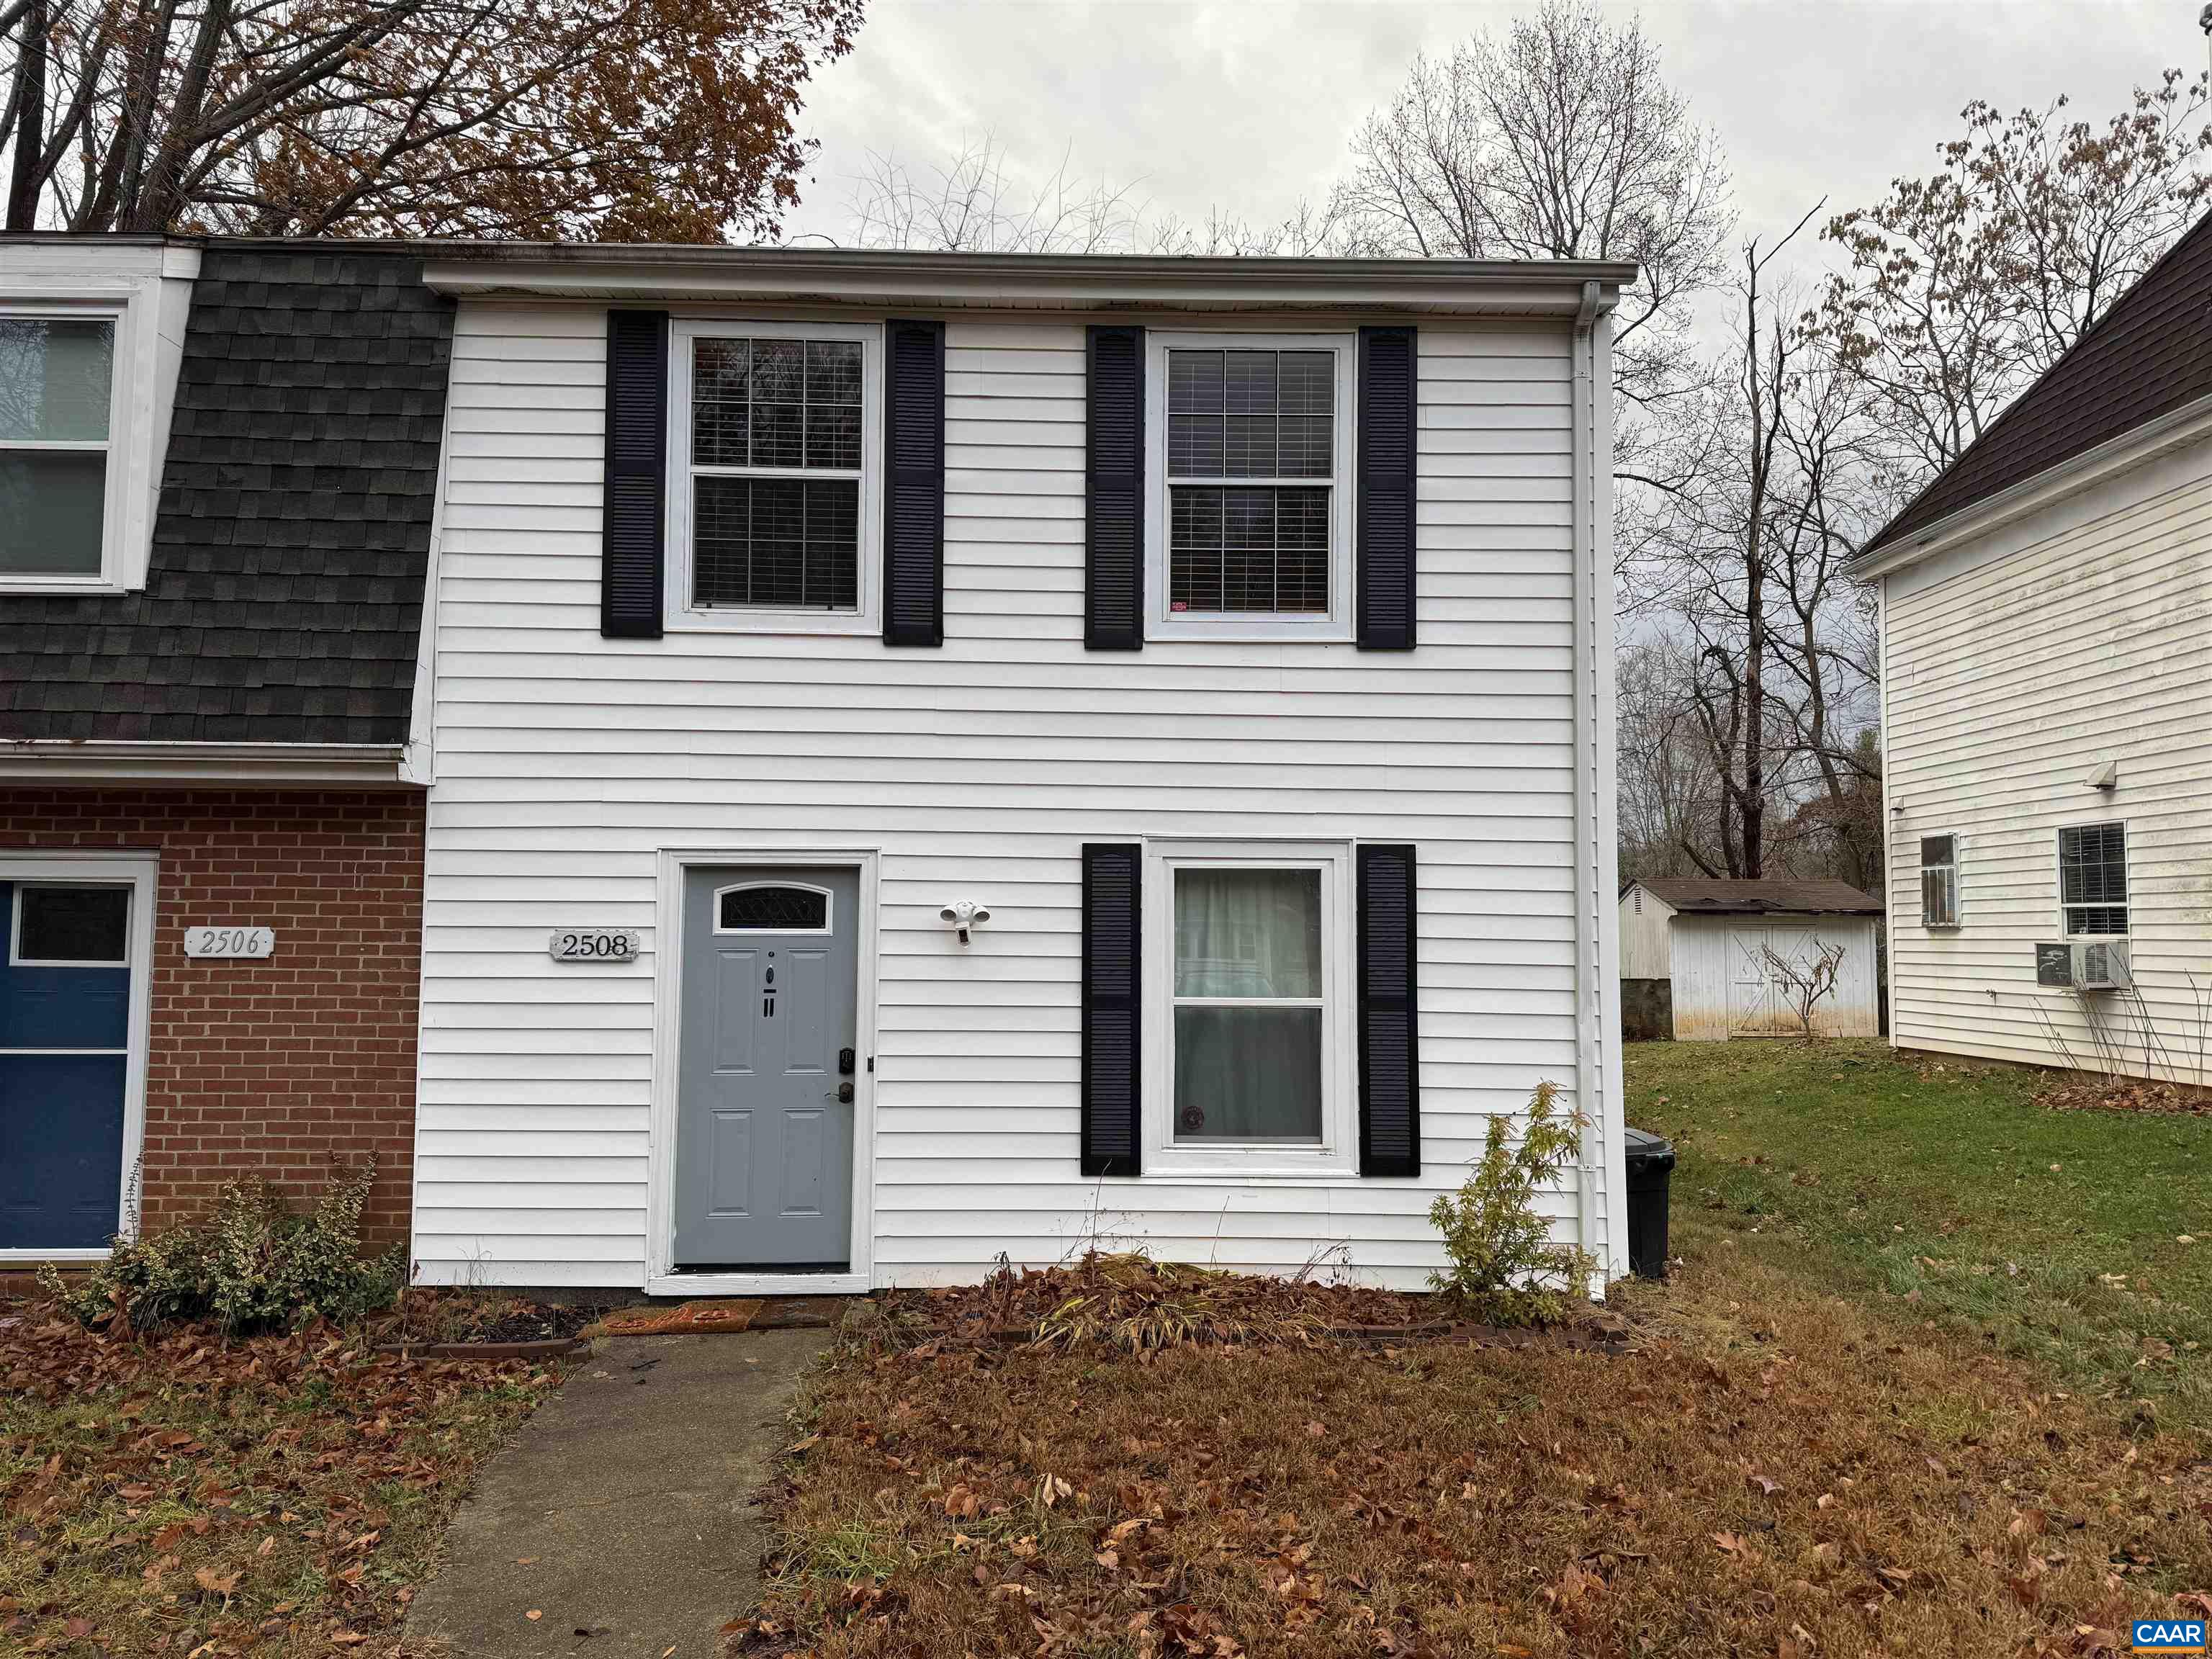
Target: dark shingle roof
1747	898
285	586
2147	356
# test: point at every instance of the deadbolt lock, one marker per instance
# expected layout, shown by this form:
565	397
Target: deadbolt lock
844	1062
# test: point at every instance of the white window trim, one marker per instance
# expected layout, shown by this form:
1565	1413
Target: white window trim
17	959
1958	908
116	528
1334	627
141	871
2058	878
681	614
1338	1153
829	909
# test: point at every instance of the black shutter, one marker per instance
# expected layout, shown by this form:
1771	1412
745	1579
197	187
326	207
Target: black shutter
913	500
633	527
1113	478
1388	361
1390	1047
1113	980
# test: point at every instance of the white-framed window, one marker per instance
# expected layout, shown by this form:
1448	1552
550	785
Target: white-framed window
62	409
2093	879
775	487
70	925
1248	485
1938	881
1251	1064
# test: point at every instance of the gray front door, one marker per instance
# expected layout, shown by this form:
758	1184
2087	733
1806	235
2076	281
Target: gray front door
766	1074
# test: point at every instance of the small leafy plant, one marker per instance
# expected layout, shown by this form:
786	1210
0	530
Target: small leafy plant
253	1264
1504	1269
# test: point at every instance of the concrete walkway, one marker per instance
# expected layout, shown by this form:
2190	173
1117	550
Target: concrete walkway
621	1516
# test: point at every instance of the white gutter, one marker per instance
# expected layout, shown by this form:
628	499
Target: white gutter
1596	919
1472	286
2171	430
268	765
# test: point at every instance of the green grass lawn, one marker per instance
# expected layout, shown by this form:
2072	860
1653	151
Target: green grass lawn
2051	1235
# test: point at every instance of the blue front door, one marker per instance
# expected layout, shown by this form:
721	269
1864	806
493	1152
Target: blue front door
65	1060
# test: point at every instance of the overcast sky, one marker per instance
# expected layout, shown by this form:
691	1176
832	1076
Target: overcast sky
1248	103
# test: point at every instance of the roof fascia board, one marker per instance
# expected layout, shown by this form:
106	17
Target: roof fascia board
65	761
2171	430
1462	287
1771	915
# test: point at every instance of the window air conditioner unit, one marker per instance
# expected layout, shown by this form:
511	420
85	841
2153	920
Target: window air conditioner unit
2083	964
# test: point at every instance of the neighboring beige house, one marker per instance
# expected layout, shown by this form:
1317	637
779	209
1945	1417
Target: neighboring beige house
2046	616
1698	958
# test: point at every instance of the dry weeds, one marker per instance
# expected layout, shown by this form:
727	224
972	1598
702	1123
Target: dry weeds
1770	1471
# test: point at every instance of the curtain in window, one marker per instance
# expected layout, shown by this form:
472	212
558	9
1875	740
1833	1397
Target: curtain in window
1245	1071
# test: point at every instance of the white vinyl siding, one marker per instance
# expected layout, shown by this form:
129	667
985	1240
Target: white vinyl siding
2019	665
565	761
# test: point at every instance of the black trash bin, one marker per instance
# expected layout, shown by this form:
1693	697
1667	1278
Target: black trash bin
1650	1162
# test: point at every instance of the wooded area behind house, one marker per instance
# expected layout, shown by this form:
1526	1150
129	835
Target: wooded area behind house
1782	390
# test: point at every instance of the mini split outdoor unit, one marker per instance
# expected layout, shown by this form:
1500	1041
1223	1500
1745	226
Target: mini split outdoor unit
2083	964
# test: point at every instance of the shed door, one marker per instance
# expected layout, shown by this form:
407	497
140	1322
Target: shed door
1760	1002
65	1061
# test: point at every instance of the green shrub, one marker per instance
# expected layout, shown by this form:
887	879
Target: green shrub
1505	1268
250	1265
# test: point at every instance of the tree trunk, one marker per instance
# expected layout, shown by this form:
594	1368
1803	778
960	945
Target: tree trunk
30	121
1754	605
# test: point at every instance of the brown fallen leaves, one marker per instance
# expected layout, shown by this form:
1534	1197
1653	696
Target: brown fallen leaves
181	1498
2124	1094
1773	1472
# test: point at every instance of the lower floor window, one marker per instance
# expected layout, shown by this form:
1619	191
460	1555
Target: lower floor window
2092	877
1250	1034
1247	1006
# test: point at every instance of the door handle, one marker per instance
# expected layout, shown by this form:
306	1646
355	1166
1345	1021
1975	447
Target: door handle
845	1094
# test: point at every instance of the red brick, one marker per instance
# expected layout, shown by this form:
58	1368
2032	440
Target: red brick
268	1067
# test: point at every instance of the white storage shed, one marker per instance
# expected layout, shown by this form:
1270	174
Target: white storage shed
1710	942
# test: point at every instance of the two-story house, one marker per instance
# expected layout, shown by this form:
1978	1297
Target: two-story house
928	758
940	758
2047	633
217	469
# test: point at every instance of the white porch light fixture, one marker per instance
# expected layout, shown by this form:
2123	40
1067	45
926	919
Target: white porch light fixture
963	915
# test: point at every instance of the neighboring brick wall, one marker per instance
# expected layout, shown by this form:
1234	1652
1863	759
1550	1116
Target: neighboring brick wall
275	1065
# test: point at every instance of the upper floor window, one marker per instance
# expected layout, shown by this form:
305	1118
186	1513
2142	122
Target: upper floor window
2092	877
773	511
57	403
1251	506
1938	881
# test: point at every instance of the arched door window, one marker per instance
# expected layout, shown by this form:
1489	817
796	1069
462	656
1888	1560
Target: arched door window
772	907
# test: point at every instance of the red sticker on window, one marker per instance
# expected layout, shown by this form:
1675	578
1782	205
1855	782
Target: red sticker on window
1180	604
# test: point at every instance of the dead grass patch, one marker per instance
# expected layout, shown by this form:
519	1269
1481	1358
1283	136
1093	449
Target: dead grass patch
1772	1471
176	1495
